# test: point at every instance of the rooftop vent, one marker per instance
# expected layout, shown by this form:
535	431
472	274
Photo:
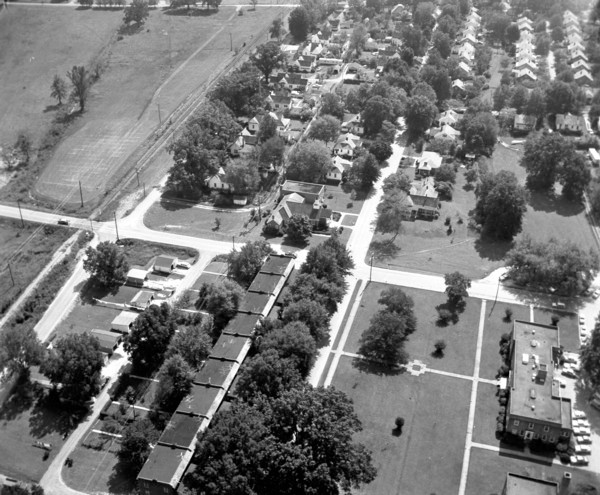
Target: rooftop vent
534	343
533	407
532	393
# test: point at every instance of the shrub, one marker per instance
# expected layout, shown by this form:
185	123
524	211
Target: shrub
508	312
399	422
444	315
555	319
440	345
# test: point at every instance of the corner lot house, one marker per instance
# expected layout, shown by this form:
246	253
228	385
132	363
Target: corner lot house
165	264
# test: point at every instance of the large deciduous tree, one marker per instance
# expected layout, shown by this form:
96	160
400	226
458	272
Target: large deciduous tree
74	367
137	11
501	205
397	301
221	299
193	342
58	89
420	113
299	23
309	162
106	264
331	104
81	82
480	132
457	286
174	382
294	342
19	349
384	339
326	128
590	358
390	213
242	175
246	262
298	229
136	444
308	286
267	57
240	90
149	338
313	315
364	172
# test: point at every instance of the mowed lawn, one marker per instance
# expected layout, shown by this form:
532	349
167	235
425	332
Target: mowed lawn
568	325
36	44
487	472
461	337
28	250
427	457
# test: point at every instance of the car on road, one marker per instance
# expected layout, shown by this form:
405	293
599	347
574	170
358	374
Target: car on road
63	221
582	449
291	254
579	460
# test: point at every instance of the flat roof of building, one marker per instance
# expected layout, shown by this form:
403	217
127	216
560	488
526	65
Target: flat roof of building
166	465
276	264
265	282
242	324
214	372
181	431
125	318
137	273
533	395
517	484
302	187
143	297
229	347
199	401
254	302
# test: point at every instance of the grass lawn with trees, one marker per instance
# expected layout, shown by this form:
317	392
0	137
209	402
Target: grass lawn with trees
435	409
568	325
85	317
487	472
461	338
29	259
495	325
24	421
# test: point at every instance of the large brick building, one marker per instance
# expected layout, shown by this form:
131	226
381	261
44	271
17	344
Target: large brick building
537	409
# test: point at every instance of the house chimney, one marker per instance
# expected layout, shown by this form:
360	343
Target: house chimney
564	483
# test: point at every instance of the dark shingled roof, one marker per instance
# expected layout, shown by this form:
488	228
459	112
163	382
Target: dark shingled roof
181	430
165	464
265	282
276	264
254	302
228	347
214	372
242	324
199	400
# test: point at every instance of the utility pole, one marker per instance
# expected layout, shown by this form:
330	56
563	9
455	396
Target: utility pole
116	226
230	42
159	117
233	237
81	194
21	214
144	185
137	174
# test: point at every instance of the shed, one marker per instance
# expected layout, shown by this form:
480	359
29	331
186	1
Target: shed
122	323
136	277
165	264
108	340
142	299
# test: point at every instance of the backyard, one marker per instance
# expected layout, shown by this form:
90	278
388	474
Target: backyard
28	250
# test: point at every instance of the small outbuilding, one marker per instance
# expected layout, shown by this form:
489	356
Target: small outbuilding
108	340
165	264
136	277
123	321
142	299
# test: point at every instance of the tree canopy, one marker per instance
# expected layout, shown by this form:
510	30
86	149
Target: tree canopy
74	367
149	338
246	262
480	132
240	90
193	342
299	23
221	299
20	348
326	128
267	57
390	212
242	175
364	172
138	11
560	264
81	83
298	229
457	286
322	290
299	442
293	341
384	339
174	382
309	162
313	315
138	436
420	113
106	264
501	205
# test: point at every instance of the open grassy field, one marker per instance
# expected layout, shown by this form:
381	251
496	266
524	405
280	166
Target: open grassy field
461	337
85	317
171	57
427	457
24	420
142	253
28	250
487	472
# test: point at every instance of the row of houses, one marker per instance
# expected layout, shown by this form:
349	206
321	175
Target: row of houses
171	456
525	59
465	49
578	60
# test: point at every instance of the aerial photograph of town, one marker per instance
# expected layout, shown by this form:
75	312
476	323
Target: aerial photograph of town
300	247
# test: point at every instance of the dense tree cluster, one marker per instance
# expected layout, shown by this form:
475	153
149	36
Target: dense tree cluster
309	162
221	299
389	328
551	157
479	129
246	262
559	264
106	264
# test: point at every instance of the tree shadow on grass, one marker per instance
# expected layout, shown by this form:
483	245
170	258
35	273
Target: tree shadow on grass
491	249
121	480
175	204
379	369
190	12
384	249
50	416
554	204
131	29
92	290
51	108
20	400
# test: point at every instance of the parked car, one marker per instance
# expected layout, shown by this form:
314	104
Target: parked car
579	414
584	440
596	294
582	449
581	430
581	320
183	264
569	373
558	305
581	422
580	460
63	221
